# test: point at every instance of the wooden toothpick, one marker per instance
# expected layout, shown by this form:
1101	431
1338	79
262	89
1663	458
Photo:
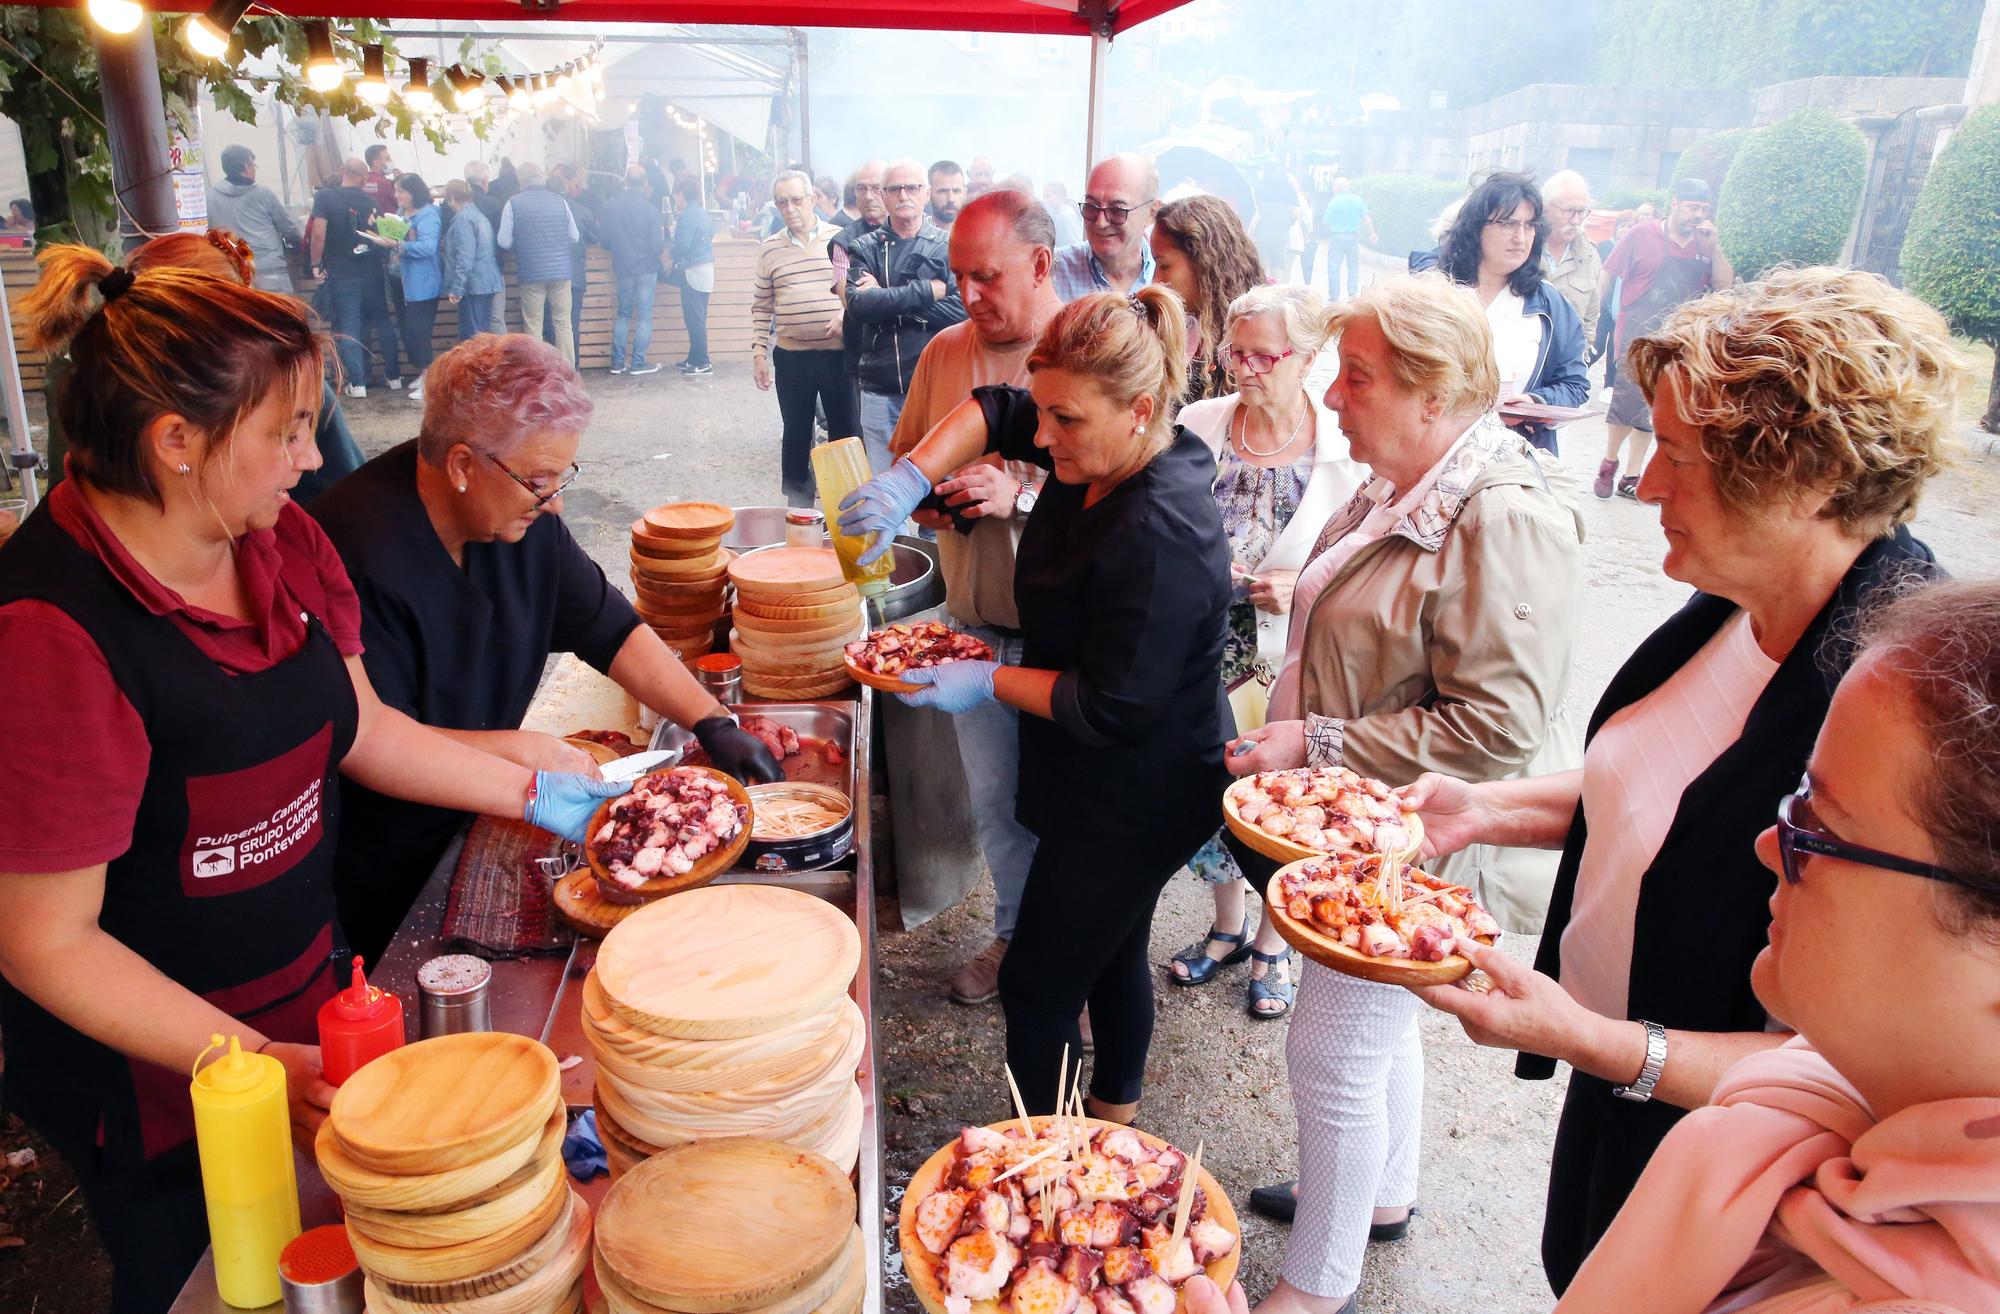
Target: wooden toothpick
1029	1162
1188	1175
1020	1105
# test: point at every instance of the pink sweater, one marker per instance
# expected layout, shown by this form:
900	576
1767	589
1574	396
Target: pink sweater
1786	1196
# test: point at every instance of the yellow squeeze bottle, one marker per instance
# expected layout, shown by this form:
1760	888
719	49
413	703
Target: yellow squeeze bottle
242	1129
840	467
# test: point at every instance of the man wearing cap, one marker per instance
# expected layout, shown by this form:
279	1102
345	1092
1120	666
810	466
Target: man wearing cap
1657	265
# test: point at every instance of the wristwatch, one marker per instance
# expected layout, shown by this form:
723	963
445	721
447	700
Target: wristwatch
1641	1090
1025	499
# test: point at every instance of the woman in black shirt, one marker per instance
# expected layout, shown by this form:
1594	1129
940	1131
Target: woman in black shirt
1123	582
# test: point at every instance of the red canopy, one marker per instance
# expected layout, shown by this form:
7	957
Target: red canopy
1050	17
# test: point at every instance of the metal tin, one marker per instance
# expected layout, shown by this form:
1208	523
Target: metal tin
721	673
316	1288
805	527
453	995
821	848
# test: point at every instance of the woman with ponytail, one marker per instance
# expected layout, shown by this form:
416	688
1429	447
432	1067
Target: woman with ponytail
183	649
1123	583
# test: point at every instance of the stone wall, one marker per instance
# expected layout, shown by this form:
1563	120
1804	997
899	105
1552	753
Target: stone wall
1852	98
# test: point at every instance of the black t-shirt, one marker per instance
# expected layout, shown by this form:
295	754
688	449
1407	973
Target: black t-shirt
344	210
1128	599
462	648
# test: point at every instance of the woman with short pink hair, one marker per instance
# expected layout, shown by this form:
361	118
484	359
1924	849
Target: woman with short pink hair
469	580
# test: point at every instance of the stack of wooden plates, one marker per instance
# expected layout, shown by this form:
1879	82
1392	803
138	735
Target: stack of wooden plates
795	613
447	1157
731	1227
724	1012
680	572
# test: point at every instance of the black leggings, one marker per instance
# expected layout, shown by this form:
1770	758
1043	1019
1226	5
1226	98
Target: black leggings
1085	925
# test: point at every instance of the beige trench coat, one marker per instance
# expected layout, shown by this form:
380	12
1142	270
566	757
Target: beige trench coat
1446	645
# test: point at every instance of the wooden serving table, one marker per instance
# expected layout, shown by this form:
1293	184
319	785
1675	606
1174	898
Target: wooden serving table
540	996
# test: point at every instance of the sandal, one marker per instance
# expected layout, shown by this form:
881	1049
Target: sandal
1262	988
1201	967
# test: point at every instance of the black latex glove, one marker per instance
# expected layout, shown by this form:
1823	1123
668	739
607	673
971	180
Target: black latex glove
734	751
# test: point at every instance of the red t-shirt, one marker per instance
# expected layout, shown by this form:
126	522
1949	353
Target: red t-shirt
1639	255
75	746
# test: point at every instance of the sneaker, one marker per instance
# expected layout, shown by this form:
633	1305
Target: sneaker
1628	487
692	370
1607	474
417	391
645	369
396	384
355	390
617	369
979	980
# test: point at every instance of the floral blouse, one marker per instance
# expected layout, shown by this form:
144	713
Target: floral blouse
1256	503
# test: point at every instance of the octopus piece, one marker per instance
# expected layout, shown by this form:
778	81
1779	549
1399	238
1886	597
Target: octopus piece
1378	941
1110	1300
1210	1240
1124	1143
1100	1179
1150	1295
1173	1260
992	1210
1110	1225
1073	1227
1428	944
1151	1176
1124	1264
979	1170
940	1215
1276	822
978	1264
1252	804
1080	1267
1041	1290
647	861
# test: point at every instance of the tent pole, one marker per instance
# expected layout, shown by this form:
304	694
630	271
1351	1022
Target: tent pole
804	85
1100	58
23	459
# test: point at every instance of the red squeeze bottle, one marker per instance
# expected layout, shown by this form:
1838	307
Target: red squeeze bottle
356	1025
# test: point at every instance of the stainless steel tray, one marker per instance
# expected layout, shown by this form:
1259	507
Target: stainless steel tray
817	724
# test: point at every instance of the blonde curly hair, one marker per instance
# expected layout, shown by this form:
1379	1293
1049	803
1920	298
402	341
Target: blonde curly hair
1813	380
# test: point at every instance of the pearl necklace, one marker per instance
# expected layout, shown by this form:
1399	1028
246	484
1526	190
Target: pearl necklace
1243	436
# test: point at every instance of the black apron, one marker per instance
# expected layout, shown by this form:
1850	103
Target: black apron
227	886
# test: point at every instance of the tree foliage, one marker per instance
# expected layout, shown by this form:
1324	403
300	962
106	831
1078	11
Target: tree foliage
1751	43
1403	208
1792	193
1709	158
1951	252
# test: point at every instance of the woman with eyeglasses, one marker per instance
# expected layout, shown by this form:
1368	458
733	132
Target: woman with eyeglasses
1857	1162
1494	246
1282	468
1798	419
469	580
1432	629
185	696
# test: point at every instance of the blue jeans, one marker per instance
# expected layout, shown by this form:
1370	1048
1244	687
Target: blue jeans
358	306
879	413
989	747
635	302
475	314
1343	250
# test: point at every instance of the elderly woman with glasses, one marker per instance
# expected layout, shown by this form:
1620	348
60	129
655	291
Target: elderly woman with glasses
468	580
1798	418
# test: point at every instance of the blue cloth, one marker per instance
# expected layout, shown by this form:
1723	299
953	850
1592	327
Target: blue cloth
634	235
1344	213
635	317
1077	271
423	277
538	228
583	1149
475	316
471	262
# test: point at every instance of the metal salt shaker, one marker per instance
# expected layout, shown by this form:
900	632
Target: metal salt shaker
721	673
454	995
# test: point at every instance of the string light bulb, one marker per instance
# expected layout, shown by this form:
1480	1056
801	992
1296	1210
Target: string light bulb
468	89
374	84
116	16
564	80
417	93
322	69
208	34
544	93
521	96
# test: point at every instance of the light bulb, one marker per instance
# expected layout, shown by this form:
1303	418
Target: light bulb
322	69
468	89
417	92
374	84
208	34
544	93
520	97
116	16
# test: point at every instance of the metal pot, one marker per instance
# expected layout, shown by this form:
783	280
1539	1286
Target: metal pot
755	527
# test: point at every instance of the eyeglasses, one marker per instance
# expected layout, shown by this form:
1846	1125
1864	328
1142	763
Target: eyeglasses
1574	212
903	189
1252	362
1521	227
867	187
1117	214
1801	831
542	499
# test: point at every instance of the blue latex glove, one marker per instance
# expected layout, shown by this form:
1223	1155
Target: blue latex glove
881	505
563	802
954	687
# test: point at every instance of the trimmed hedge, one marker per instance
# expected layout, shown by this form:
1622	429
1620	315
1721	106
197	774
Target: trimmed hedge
1709	158
1403	209
1792	193
1951	251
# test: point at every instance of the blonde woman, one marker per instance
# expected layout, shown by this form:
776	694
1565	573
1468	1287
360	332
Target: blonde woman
1432	630
1282	469
1123	583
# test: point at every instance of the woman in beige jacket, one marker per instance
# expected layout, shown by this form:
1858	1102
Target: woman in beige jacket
1433	623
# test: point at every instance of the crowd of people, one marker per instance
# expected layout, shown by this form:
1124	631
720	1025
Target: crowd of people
1211	524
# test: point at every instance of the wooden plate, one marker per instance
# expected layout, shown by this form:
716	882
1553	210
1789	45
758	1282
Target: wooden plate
463	1260
835	1291
886	683
674	1064
577	902
622	1150
421	1231
724	1225
780	572
689	520
1283	850
762	688
705	870
728	961
926	1271
680	570
602	754
833	602
452	1189
817	633
552	1250
1329	952
446	1102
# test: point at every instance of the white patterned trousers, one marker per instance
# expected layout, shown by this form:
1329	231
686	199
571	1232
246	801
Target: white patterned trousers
1356	1064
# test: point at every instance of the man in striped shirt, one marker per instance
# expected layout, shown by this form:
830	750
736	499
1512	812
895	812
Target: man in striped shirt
795	323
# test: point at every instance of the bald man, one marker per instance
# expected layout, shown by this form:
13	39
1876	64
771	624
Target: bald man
1118	208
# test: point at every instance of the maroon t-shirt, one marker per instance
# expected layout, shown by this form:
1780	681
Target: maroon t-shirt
1639	255
75	745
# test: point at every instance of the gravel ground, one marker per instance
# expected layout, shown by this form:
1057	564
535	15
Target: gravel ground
1215	1074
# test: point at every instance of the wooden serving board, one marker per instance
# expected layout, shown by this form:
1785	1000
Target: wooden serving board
432	1192
661	545
706	869
1329	952
794	693
420	1231
836	603
578	903
886	683
1281	849
680	570
726	1225
542	1290
690	520
780	572
447	1102
780	627
602	754
463	1260
926	1270
728	961
552	1250
670	1063
835	1291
